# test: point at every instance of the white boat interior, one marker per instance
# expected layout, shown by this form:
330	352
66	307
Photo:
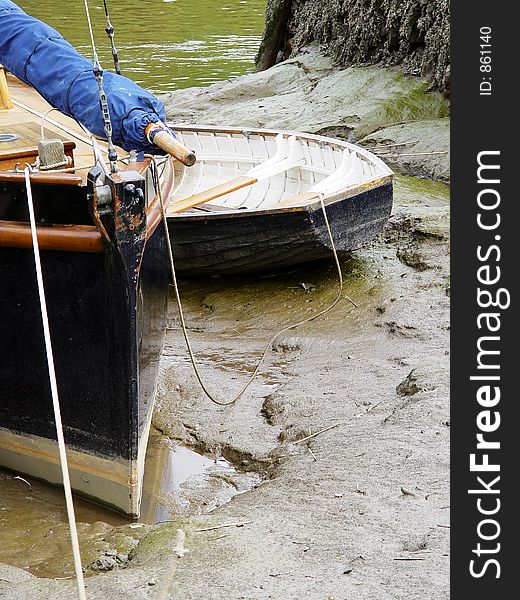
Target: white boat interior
286	170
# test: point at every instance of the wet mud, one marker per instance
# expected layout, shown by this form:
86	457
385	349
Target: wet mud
325	517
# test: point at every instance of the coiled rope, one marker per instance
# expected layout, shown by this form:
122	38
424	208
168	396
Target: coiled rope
269	345
55	396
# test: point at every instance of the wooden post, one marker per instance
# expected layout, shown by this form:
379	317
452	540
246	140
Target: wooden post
5	97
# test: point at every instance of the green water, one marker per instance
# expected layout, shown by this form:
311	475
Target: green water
164	44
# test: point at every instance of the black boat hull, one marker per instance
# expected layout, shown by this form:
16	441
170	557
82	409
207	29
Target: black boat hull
107	315
213	243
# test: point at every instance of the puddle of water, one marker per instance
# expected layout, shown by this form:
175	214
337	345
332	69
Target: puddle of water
181	482
178	482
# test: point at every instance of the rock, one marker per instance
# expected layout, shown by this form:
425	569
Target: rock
416	543
122	559
411	256
292	433
408	387
404	330
272	409
104	563
110	560
289	344
414	383
413	34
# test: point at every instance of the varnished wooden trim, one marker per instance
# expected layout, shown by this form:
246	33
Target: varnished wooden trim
74	238
42	178
140	167
32	152
78	238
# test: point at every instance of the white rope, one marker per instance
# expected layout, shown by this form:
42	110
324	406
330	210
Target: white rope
272	340
42	130
55	397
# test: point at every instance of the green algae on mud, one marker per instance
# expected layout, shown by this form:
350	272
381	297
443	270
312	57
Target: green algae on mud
422	208
245	301
413	190
308	93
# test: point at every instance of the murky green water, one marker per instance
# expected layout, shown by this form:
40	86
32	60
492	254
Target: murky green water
164	44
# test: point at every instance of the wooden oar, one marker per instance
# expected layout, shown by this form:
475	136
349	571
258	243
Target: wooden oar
289	154
161	137
207	195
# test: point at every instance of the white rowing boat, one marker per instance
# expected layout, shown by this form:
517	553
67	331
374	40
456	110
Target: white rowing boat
257	196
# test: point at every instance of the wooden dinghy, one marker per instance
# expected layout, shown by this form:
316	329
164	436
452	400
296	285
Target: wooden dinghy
259	199
105	272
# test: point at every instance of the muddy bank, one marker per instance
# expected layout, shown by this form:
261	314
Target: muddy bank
410	33
397	117
360	511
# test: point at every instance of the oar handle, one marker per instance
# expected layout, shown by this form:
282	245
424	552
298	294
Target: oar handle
165	140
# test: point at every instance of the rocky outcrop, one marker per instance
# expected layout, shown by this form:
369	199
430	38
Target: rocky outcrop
414	34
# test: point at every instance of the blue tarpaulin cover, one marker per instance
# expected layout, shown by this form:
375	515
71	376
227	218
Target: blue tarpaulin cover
41	57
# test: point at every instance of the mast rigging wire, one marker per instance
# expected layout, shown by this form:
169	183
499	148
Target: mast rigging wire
103	102
110	32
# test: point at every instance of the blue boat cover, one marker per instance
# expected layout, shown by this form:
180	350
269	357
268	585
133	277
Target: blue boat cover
42	58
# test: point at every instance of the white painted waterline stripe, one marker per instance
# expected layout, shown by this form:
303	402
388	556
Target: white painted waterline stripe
55	396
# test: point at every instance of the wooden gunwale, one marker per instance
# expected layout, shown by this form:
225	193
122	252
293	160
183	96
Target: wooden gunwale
32	152
310	137
78	238
43	178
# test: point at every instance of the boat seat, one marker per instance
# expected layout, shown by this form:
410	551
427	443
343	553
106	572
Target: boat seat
211	208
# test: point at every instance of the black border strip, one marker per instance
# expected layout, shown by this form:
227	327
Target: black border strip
484	124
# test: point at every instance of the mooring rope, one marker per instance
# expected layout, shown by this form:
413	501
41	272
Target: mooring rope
269	345
55	396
